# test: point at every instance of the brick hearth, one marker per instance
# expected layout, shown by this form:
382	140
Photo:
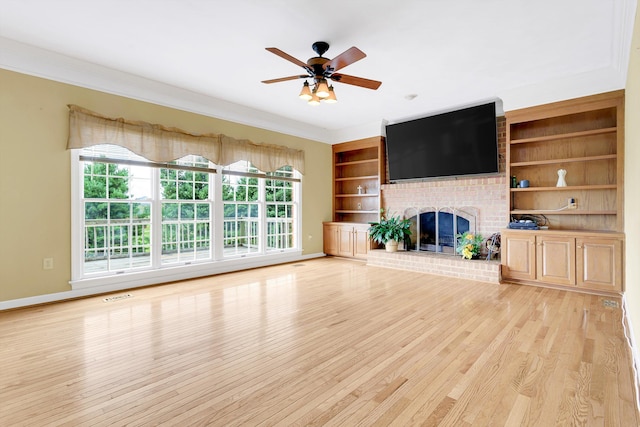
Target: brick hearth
439	264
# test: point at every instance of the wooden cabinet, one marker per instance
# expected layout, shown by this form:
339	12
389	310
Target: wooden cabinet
556	259
358	170
584	137
346	239
519	256
590	261
599	263
330	238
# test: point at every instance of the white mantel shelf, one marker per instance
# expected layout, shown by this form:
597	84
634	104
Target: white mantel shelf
438	264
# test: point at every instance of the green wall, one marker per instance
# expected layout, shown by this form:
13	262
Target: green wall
35	186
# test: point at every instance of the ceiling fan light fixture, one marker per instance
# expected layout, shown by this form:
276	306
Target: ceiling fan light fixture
322	90
331	99
305	93
314	99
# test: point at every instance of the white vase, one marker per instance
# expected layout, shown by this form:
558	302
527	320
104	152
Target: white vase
391	246
561	181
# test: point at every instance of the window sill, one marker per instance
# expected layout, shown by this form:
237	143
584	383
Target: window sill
182	272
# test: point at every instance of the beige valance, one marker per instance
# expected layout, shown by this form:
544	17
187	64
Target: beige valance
162	144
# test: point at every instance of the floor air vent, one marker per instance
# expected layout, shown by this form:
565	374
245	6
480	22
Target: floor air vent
117	297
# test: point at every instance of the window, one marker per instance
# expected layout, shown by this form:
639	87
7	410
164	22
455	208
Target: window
136	216
116	207
240	196
186	212
280	210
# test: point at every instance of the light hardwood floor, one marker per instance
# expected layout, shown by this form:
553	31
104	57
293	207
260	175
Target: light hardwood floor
323	342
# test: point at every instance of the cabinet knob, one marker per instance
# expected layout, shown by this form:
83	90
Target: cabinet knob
579	247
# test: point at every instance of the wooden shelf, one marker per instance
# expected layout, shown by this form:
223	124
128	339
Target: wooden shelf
352	178
568	188
356	212
357	162
357	195
565	160
565	135
564	212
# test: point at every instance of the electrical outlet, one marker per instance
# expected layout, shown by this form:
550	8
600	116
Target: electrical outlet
572	203
47	264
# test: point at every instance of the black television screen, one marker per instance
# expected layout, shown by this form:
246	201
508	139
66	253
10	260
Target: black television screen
461	142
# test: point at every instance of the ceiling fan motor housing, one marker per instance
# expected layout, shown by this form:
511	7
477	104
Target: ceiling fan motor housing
320	47
316	64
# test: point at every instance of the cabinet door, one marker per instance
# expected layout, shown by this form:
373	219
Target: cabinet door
518	256
345	240
556	260
330	239
599	263
361	241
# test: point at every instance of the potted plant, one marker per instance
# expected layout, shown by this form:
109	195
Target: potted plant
469	245
389	231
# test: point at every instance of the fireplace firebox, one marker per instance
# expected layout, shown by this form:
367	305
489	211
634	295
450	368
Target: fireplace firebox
435	229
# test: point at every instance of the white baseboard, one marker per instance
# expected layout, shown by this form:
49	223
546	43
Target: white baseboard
97	290
634	348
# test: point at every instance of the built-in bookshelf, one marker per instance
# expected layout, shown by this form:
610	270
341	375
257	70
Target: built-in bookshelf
584	137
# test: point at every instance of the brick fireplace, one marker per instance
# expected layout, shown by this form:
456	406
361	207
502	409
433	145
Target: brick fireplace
481	200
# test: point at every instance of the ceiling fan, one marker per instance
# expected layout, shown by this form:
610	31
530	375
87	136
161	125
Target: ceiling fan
321	69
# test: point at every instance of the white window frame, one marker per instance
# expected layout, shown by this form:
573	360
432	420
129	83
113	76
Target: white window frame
159	273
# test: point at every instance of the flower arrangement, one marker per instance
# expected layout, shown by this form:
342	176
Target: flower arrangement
469	244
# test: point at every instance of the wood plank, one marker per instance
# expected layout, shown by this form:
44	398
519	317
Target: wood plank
323	342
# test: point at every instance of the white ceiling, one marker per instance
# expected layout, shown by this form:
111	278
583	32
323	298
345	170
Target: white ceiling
208	56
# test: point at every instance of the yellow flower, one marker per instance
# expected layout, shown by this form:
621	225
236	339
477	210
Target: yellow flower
469	245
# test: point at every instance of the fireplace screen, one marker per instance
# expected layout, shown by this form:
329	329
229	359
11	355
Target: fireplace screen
435	230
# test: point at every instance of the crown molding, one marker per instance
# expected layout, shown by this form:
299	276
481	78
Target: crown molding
42	63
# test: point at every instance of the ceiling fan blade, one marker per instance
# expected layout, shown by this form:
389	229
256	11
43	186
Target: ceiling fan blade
284	79
356	81
286	56
347	57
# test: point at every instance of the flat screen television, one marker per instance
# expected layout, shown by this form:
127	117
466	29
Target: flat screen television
455	143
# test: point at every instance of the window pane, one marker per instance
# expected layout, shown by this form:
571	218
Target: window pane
119	211
203	211
187	211
169	211
229	210
142	210
95	210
